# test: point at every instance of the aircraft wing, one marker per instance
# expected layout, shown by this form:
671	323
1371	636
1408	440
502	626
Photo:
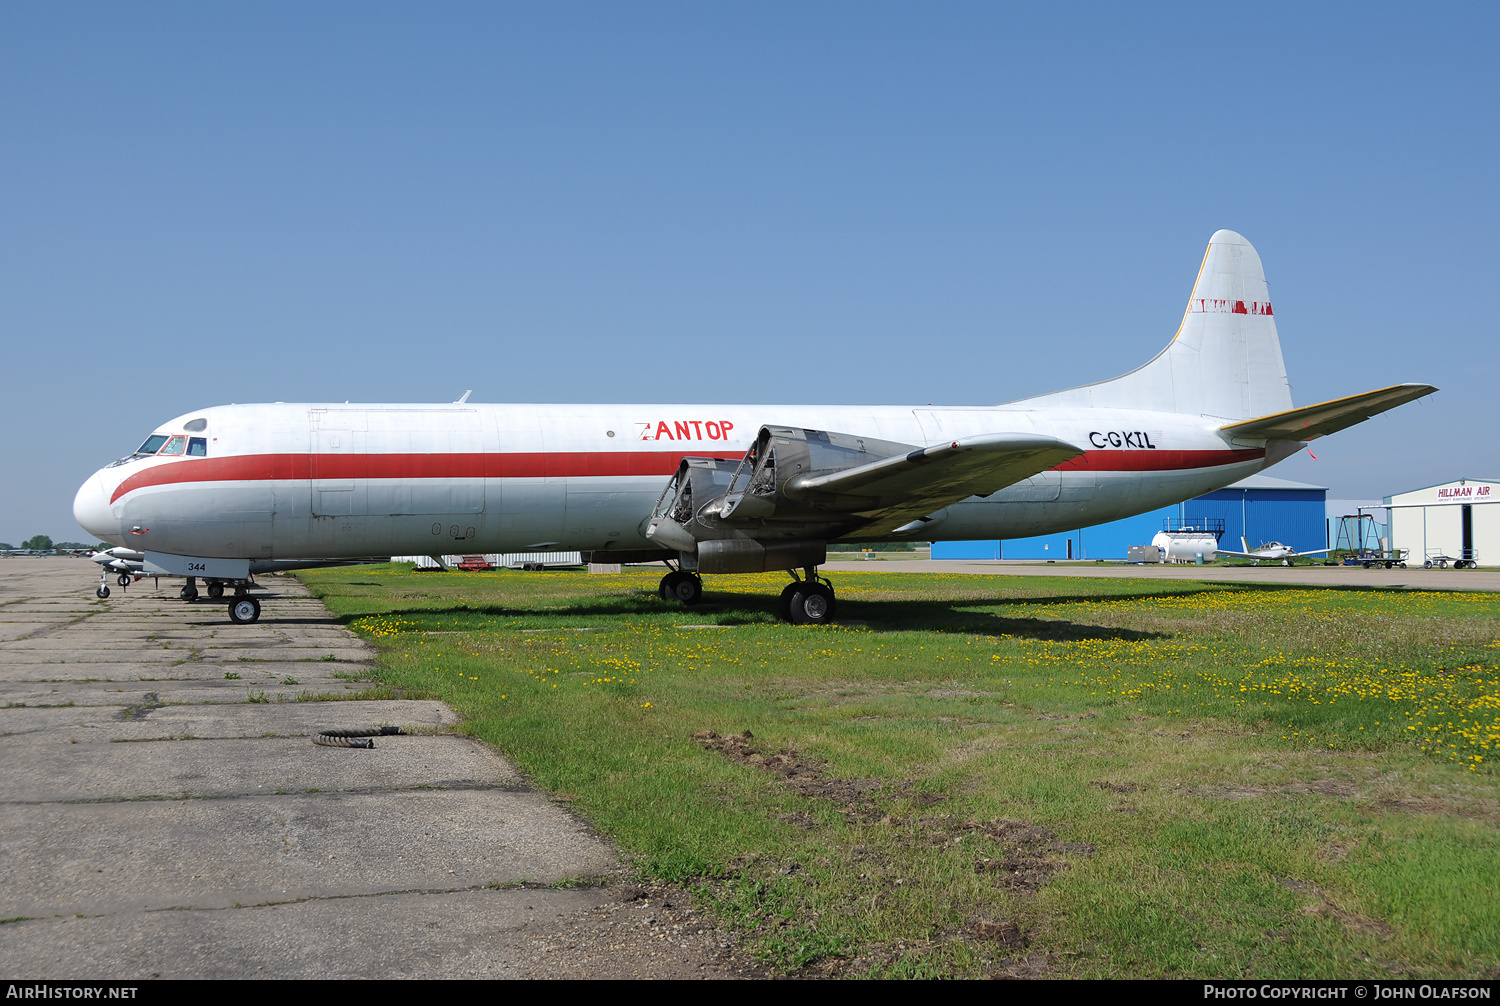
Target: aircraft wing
1328	417
1317	551
911	485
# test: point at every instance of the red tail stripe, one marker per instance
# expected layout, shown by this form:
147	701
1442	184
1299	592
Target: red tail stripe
300	467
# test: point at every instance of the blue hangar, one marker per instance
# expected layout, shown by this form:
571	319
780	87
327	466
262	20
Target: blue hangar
1259	508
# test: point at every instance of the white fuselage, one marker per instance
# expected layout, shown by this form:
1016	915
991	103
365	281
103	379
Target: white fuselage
296	481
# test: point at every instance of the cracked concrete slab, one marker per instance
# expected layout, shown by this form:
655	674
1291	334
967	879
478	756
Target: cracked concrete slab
105	858
155	756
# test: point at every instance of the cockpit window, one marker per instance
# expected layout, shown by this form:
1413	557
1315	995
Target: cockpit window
197	447
174	446
153	444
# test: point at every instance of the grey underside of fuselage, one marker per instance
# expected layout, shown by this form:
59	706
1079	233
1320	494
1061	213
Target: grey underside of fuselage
293	519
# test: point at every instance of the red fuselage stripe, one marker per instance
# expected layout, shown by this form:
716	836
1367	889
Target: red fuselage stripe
302	467
1157	461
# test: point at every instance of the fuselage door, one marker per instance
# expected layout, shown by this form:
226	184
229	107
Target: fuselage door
338	462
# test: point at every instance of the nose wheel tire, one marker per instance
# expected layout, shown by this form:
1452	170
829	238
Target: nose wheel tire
812	604
244	610
215	591
102	592
189	594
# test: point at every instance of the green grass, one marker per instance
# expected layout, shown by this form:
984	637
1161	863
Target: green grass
1002	775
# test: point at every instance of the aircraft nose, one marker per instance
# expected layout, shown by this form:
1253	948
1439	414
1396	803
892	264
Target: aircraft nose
91	509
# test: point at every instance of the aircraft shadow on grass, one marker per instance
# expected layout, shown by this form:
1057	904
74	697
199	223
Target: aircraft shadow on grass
959	616
755	609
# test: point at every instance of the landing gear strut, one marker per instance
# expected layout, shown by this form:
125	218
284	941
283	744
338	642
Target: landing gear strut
808	601
680	585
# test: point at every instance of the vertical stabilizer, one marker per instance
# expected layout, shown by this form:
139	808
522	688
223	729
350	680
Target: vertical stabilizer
1225	361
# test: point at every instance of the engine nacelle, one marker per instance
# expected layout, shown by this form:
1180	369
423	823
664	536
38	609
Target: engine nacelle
745	555
757	514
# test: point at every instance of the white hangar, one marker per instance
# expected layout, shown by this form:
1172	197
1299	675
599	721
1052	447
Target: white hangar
1456	522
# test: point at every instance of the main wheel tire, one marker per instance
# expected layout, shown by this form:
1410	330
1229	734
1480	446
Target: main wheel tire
688	589
189	594
664	589
102	592
244	610
122	580
215	591
784	603
1286	562
813	604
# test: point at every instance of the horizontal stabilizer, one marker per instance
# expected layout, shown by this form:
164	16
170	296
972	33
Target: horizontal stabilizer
1329	417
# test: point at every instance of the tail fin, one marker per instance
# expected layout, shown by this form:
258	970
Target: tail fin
1225	360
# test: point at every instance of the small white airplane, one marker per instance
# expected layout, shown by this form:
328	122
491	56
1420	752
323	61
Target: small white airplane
214	494
1271	551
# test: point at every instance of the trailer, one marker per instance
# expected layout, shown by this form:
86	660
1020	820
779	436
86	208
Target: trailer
1370	558
1467	558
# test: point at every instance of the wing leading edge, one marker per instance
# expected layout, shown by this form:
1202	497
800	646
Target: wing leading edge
902	488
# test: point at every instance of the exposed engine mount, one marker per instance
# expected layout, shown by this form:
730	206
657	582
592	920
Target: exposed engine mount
765	511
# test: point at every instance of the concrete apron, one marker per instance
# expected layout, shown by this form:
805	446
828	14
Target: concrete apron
157	774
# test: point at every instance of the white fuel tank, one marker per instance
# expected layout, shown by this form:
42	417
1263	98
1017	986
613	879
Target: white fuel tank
1184	546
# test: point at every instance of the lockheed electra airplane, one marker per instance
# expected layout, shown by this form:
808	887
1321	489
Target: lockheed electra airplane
222	493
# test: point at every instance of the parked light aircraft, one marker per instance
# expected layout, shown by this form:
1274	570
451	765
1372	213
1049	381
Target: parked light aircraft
1271	551
718	488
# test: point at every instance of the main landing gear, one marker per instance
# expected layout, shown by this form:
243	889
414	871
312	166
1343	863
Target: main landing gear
680	585
807	600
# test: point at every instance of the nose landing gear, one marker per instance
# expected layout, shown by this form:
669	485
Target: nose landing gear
244	610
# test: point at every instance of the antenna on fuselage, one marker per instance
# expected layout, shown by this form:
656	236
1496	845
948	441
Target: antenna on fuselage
464	397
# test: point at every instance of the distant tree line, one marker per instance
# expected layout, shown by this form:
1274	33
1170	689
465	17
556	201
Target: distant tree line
44	543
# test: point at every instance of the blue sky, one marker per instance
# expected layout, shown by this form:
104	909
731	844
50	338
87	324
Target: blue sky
956	204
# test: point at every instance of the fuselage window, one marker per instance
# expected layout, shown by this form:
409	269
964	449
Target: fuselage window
174	446
197	447
153	443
